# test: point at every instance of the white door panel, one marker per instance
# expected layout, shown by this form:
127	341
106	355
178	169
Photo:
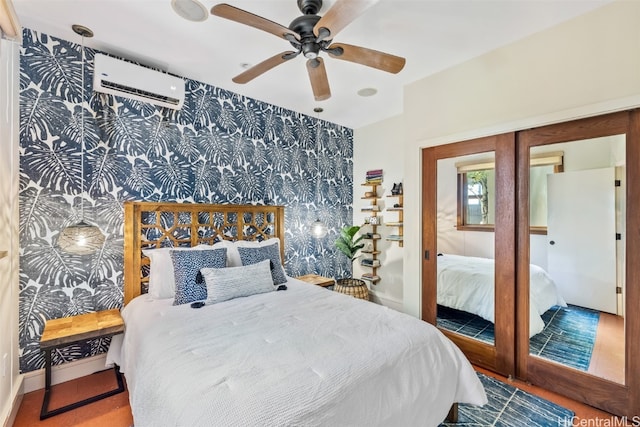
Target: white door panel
581	237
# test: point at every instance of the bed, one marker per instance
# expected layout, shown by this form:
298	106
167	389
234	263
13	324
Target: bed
297	356
467	284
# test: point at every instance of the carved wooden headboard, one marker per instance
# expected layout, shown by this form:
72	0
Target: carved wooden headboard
162	224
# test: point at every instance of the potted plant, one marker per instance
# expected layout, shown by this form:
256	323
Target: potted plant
349	245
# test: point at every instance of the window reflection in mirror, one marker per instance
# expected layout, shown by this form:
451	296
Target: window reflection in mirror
476	191
583	211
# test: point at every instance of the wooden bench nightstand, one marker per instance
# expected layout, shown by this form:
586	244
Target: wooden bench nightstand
314	279
69	330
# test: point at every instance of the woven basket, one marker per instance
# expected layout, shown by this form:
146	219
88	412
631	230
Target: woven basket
355	287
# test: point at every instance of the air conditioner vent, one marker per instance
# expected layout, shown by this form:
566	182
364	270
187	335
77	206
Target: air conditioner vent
139	92
128	80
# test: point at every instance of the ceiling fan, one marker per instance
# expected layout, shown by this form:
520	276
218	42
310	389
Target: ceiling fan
310	35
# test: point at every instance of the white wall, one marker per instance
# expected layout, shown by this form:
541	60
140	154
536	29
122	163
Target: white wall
379	146
584	67
10	379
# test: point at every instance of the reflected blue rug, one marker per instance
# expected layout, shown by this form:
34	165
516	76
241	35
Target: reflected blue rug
465	324
568	336
509	406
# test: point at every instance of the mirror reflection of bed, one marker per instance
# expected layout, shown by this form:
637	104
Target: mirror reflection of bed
576	294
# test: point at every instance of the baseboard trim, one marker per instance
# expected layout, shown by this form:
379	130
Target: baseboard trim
15	404
34	380
387	302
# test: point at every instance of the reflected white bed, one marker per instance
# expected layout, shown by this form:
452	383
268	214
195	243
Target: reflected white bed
468	284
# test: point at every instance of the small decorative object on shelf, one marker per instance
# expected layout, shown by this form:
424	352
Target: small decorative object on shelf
397	189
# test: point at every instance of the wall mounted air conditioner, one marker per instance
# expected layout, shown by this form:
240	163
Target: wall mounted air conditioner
122	78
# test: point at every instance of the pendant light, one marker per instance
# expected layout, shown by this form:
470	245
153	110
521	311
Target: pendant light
318	228
81	238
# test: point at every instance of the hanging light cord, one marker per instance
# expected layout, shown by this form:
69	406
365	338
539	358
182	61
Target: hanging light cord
318	110
82	138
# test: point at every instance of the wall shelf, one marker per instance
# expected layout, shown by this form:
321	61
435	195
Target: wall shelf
371	234
370	277
400	223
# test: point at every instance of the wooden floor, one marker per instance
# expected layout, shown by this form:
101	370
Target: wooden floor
607	359
115	411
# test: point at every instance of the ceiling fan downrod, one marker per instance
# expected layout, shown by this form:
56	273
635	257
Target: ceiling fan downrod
310	7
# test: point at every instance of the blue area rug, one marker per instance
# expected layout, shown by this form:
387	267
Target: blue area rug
466	324
509	406
568	336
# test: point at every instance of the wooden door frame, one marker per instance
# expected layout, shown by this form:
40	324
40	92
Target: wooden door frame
601	393
501	356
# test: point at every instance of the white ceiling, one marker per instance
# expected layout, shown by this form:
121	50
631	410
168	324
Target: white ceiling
431	34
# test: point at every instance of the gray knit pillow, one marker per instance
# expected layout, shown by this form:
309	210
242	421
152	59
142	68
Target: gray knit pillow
233	282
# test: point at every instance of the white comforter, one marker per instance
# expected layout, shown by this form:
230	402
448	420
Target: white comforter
301	357
467	283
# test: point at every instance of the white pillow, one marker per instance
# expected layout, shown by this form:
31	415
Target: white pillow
233	282
232	252
162	282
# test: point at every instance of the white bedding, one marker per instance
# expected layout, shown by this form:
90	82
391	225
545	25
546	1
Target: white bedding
305	357
467	283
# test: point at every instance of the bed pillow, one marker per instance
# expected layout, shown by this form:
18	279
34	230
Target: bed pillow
224	284
249	255
162	282
233	257
190	285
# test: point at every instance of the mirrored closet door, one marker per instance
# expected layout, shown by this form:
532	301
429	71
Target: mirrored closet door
578	241
468	243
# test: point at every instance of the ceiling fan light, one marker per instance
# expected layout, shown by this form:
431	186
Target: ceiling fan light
81	239
191	10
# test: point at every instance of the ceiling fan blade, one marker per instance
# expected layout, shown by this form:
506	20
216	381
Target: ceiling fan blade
224	10
263	67
340	15
318	77
369	57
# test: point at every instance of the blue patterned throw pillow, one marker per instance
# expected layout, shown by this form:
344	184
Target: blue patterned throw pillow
190	284
271	252
233	282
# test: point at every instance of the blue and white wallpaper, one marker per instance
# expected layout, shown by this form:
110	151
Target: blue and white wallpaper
219	148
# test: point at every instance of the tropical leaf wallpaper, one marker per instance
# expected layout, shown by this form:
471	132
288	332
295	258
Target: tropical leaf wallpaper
219	148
